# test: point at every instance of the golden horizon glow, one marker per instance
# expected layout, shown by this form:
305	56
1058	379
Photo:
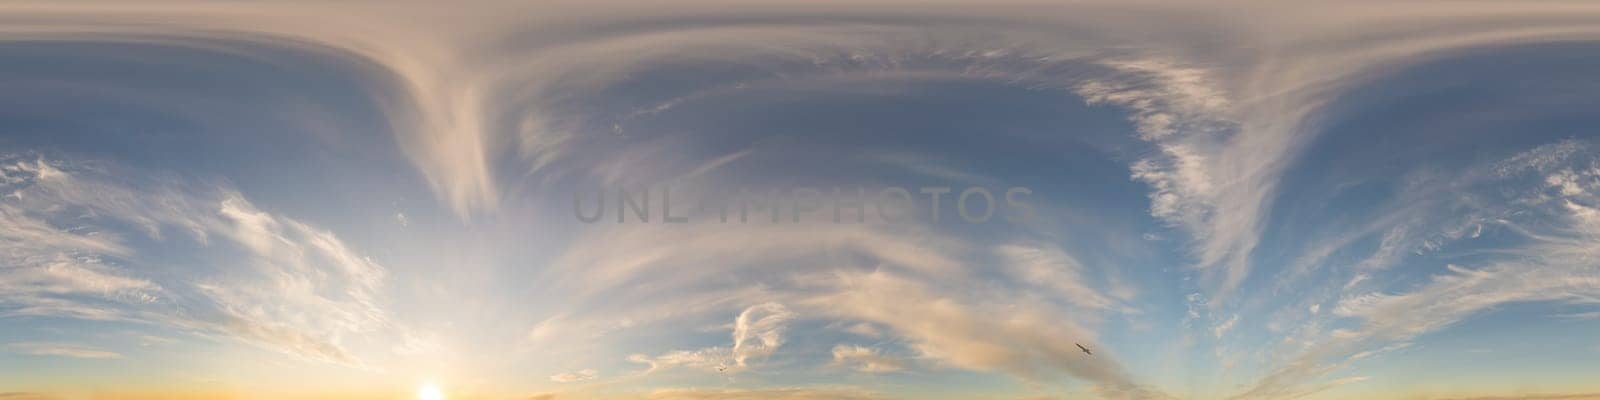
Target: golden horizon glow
429	391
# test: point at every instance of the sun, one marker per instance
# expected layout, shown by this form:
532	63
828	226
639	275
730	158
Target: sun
429	391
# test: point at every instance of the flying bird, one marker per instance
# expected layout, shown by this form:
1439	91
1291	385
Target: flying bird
1085	349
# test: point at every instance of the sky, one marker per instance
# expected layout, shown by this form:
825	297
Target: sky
386	200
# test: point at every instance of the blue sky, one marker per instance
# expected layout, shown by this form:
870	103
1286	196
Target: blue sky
1234	201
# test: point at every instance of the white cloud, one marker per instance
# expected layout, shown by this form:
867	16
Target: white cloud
1222	329
1223	123
865	359
1582	315
1555	265
715	359
60	350
993	329
1027	340
864	329
292	287
757	333
1049	267
576	376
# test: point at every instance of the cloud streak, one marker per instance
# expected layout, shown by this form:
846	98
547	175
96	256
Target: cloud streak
60	350
279	283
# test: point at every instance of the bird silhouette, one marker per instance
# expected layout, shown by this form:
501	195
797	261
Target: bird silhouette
1085	349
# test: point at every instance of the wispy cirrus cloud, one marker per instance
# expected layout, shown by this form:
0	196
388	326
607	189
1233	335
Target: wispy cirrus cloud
575	376
866	359
1552	212
279	283
60	350
1029	340
490	99
1032	341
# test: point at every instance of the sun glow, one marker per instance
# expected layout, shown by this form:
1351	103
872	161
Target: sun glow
429	391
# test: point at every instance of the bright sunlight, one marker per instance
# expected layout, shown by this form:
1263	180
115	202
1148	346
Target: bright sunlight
429	391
